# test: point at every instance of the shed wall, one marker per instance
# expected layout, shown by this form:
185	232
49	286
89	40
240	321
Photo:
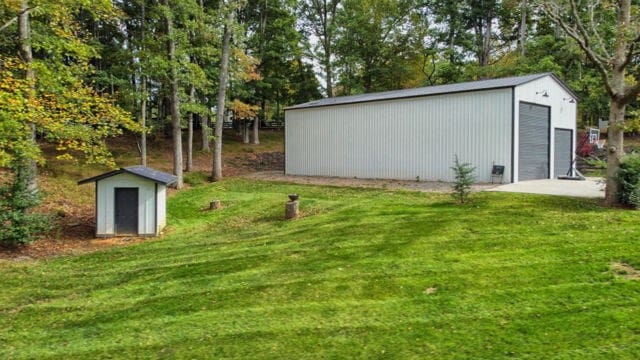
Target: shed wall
105	204
162	207
563	113
402	139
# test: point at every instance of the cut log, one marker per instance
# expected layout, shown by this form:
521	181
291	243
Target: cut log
291	210
215	205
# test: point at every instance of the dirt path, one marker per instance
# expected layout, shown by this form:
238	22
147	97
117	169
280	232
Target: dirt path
424	186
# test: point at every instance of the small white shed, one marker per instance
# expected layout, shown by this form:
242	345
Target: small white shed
131	201
524	124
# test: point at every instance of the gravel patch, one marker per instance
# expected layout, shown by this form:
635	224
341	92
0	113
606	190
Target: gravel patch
424	186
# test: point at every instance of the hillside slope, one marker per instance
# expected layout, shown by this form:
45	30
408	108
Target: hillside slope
363	274
73	206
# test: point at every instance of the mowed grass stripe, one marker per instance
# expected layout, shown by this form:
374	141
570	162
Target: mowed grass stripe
139	278
515	276
331	319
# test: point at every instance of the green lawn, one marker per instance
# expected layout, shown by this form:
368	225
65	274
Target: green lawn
510	276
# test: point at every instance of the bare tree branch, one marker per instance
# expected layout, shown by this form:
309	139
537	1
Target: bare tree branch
583	32
632	93
594	29
552	10
633	51
8	23
14	19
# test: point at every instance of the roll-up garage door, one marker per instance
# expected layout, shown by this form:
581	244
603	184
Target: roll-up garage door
533	154
562	152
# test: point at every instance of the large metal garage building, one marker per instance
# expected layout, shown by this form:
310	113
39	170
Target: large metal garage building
526	124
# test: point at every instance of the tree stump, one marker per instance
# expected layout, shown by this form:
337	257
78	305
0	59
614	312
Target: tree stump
215	205
291	210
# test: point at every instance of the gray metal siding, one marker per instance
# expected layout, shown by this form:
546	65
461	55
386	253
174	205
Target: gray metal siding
402	139
563	151
534	142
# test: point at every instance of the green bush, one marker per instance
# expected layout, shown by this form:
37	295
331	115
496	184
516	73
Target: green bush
464	179
18	225
629	177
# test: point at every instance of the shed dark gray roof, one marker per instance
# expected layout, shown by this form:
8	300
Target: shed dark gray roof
139	170
508	82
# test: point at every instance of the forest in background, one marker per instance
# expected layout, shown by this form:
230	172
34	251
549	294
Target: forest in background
76	72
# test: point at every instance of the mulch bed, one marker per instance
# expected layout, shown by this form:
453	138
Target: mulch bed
72	233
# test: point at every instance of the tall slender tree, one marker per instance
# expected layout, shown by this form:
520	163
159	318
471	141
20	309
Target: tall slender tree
206	132
27	171
273	44
614	48
192	99
480	17
222	90
204	117
49	90
522	38
174	102
372	48
319	16
143	87
450	33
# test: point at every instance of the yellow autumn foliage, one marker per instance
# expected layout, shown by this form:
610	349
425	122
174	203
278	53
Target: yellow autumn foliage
76	119
243	110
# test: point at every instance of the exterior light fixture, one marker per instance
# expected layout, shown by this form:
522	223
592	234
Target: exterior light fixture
544	93
570	100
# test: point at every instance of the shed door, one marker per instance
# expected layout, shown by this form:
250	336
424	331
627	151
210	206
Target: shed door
563	151
126	208
534	133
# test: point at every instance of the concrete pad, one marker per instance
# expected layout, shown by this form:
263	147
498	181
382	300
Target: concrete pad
589	188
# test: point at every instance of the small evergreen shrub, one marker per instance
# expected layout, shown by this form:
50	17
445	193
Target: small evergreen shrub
18	225
464	179
629	177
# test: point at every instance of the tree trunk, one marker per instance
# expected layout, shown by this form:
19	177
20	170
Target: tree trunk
451	41
328	17
618	104
615	150
256	130
143	123
222	88
192	99
523	26
613	65
245	131
174	104
204	123
292	210
204	118
143	103
328	69
263	28
160	103
28	170
486	42
189	166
